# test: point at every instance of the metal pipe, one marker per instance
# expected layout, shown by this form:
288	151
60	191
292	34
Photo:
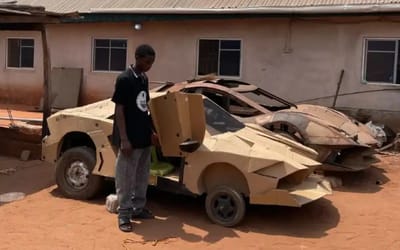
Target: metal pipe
338	88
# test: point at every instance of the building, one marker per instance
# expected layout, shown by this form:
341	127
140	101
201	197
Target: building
20	55
295	49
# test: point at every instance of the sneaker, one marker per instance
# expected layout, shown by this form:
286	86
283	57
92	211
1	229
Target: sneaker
144	214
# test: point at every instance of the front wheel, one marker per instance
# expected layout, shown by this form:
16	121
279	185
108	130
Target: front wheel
225	206
74	174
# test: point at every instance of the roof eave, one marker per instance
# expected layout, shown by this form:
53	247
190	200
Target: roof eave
339	9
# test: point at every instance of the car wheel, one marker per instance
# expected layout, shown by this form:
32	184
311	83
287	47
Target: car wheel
74	174
225	206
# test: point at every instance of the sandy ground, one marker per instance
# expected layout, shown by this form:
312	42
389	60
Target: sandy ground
363	214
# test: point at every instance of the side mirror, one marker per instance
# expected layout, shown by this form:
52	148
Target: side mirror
189	146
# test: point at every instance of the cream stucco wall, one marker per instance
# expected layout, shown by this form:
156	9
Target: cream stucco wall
299	59
21	86
303	65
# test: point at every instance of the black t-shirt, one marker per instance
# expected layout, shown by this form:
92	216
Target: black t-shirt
132	92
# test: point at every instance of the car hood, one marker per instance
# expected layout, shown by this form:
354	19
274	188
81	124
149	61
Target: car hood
340	121
317	128
103	109
262	146
269	141
100	110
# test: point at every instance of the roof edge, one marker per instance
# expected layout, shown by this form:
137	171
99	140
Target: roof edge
333	9
31	10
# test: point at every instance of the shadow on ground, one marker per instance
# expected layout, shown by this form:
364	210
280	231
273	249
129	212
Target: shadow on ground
24	176
370	180
312	220
176	213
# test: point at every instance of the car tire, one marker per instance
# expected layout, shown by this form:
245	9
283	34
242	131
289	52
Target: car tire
225	206
74	174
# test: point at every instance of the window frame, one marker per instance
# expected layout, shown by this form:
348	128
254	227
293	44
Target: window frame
94	54
365	58
34	54
219	53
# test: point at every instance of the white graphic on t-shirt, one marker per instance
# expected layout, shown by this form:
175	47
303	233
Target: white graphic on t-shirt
141	101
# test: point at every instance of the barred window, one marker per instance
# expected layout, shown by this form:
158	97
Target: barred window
20	53
381	61
221	57
109	54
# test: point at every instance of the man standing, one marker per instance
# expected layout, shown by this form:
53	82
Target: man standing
132	134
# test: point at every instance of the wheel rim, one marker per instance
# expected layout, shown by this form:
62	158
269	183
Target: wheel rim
224	207
77	175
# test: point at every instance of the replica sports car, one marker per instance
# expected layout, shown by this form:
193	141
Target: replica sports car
210	152
342	143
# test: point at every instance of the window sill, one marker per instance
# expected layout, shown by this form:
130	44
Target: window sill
22	69
106	72
221	77
381	84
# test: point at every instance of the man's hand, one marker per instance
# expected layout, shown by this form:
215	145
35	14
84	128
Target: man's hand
126	147
154	140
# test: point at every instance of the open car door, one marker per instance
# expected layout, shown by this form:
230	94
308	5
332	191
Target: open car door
179	121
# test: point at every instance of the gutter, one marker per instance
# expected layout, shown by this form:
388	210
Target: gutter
12	11
339	9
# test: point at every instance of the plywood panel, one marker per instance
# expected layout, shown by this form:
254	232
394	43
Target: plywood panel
65	87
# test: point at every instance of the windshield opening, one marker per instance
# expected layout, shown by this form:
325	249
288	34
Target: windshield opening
265	101
218	120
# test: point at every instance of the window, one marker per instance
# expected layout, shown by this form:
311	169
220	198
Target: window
219	56
382	61
20	53
218	120
109	54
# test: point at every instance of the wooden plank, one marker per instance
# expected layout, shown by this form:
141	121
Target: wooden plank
46	84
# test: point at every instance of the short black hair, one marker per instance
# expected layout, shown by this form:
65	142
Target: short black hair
144	50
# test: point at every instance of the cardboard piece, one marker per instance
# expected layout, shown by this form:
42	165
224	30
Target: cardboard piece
178	118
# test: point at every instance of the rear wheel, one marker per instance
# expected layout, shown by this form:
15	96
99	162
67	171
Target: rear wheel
74	174
225	206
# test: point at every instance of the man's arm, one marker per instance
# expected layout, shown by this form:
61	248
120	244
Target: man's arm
126	146
154	136
120	98
120	120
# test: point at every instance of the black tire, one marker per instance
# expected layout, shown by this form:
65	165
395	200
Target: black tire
225	206
74	174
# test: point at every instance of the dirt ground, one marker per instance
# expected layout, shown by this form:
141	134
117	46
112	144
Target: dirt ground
362	214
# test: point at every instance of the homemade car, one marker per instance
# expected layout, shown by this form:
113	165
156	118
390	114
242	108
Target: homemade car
211	152
342	143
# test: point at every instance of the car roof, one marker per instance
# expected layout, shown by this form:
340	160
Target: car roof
243	87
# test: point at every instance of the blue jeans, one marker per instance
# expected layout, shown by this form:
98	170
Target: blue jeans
131	180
